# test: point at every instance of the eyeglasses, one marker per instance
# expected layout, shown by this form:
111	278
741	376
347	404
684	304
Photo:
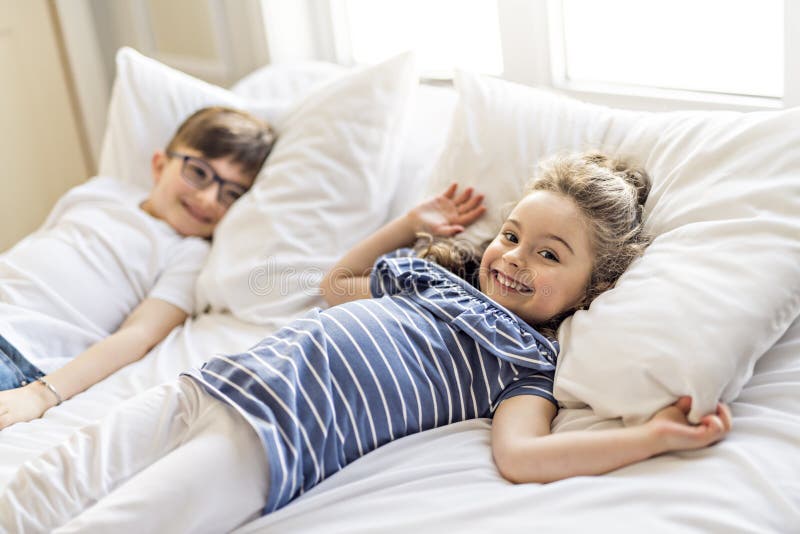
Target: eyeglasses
201	175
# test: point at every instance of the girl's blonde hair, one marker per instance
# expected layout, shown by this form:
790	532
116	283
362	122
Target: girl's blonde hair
609	192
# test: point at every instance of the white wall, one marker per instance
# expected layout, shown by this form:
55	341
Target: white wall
41	144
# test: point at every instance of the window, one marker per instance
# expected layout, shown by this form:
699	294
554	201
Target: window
445	33
717	46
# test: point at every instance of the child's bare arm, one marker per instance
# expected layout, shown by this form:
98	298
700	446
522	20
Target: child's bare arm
444	215
349	278
148	324
525	450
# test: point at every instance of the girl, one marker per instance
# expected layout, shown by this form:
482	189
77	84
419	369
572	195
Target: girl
428	350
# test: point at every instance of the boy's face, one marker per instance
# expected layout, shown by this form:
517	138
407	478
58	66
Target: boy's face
190	210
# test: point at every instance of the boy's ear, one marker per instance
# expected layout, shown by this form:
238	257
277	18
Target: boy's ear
157	164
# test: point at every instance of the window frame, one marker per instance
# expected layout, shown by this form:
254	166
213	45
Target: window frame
542	45
530	31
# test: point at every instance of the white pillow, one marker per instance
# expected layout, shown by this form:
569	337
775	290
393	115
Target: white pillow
286	81
429	123
426	132
720	283
326	185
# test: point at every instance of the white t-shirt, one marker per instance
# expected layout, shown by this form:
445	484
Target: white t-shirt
97	256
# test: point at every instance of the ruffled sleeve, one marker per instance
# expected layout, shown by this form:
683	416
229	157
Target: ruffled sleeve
383	279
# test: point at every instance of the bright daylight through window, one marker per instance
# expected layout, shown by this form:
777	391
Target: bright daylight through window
445	33
720	46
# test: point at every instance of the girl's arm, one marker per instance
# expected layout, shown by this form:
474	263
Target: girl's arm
525	450
146	326
444	215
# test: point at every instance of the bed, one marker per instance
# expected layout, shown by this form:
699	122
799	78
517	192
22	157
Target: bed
445	479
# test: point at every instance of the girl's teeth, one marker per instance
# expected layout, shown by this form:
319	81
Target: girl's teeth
509	283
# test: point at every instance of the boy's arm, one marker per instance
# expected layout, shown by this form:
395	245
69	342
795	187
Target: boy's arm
146	326
525	450
444	215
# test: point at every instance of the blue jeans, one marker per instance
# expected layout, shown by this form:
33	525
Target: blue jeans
15	370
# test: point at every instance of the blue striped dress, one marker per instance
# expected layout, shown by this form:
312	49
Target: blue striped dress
427	351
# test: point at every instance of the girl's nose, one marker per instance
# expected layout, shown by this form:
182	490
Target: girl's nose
513	257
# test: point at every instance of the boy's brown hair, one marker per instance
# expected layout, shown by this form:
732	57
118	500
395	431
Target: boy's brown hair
222	132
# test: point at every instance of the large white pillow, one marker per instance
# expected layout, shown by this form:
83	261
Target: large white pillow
717	287
421	145
429	123
326	185
286	81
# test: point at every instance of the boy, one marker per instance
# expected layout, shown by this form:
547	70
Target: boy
112	270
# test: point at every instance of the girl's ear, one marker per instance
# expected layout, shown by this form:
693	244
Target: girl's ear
157	164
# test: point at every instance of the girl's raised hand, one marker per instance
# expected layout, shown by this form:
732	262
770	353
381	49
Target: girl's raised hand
674	432
448	214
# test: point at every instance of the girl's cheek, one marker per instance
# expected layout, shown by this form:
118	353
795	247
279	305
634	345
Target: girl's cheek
545	286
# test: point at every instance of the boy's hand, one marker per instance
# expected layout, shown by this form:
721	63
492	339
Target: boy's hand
446	215
23	404
674	432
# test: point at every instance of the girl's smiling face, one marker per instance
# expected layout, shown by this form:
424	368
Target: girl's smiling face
540	263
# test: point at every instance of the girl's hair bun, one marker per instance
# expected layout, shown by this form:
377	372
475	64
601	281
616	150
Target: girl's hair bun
634	175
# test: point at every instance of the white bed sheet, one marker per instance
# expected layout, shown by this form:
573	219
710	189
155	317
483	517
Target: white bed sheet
445	479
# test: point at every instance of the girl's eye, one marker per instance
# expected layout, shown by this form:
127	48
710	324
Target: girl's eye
511	237
549	255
